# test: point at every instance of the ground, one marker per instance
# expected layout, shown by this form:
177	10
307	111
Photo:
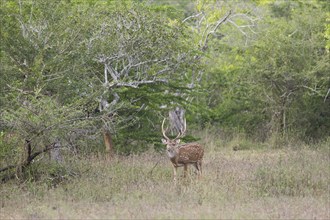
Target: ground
260	183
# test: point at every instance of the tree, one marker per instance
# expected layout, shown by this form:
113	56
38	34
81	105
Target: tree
37	49
221	30
271	80
87	69
291	69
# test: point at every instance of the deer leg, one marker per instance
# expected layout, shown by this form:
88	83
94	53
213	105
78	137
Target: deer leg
185	170
174	173
198	167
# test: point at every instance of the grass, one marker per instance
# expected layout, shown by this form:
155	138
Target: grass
260	183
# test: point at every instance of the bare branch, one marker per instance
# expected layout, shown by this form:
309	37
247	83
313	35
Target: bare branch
7	168
312	89
223	20
112	72
25	92
30	158
115	100
163	71
245	16
326	96
136	84
238	27
192	16
105	74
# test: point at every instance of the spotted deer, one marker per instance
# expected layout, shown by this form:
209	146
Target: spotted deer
184	154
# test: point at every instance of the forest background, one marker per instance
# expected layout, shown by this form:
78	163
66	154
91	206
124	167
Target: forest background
87	80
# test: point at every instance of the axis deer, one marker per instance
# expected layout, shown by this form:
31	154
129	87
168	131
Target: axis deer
184	154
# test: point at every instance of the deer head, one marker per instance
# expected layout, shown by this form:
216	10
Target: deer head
171	144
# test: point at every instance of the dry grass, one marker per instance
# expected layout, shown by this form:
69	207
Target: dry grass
247	184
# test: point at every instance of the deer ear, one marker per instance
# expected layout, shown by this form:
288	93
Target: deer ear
164	141
177	141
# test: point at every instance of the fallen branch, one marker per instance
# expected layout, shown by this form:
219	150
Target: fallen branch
30	157
7	168
150	172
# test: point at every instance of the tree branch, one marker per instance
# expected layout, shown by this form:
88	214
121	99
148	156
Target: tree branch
192	16
7	168
326	96
135	84
223	20
30	158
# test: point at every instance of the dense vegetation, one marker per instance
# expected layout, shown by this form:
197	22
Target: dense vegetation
254	73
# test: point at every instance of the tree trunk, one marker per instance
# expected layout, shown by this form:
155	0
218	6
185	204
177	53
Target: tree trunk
177	119
108	144
55	153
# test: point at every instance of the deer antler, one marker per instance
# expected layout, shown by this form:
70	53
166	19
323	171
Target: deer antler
163	131
181	133
184	127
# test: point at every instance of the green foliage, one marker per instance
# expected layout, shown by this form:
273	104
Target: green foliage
294	71
277	84
10	150
53	59
259	68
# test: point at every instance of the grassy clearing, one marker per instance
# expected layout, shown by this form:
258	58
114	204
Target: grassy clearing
244	184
